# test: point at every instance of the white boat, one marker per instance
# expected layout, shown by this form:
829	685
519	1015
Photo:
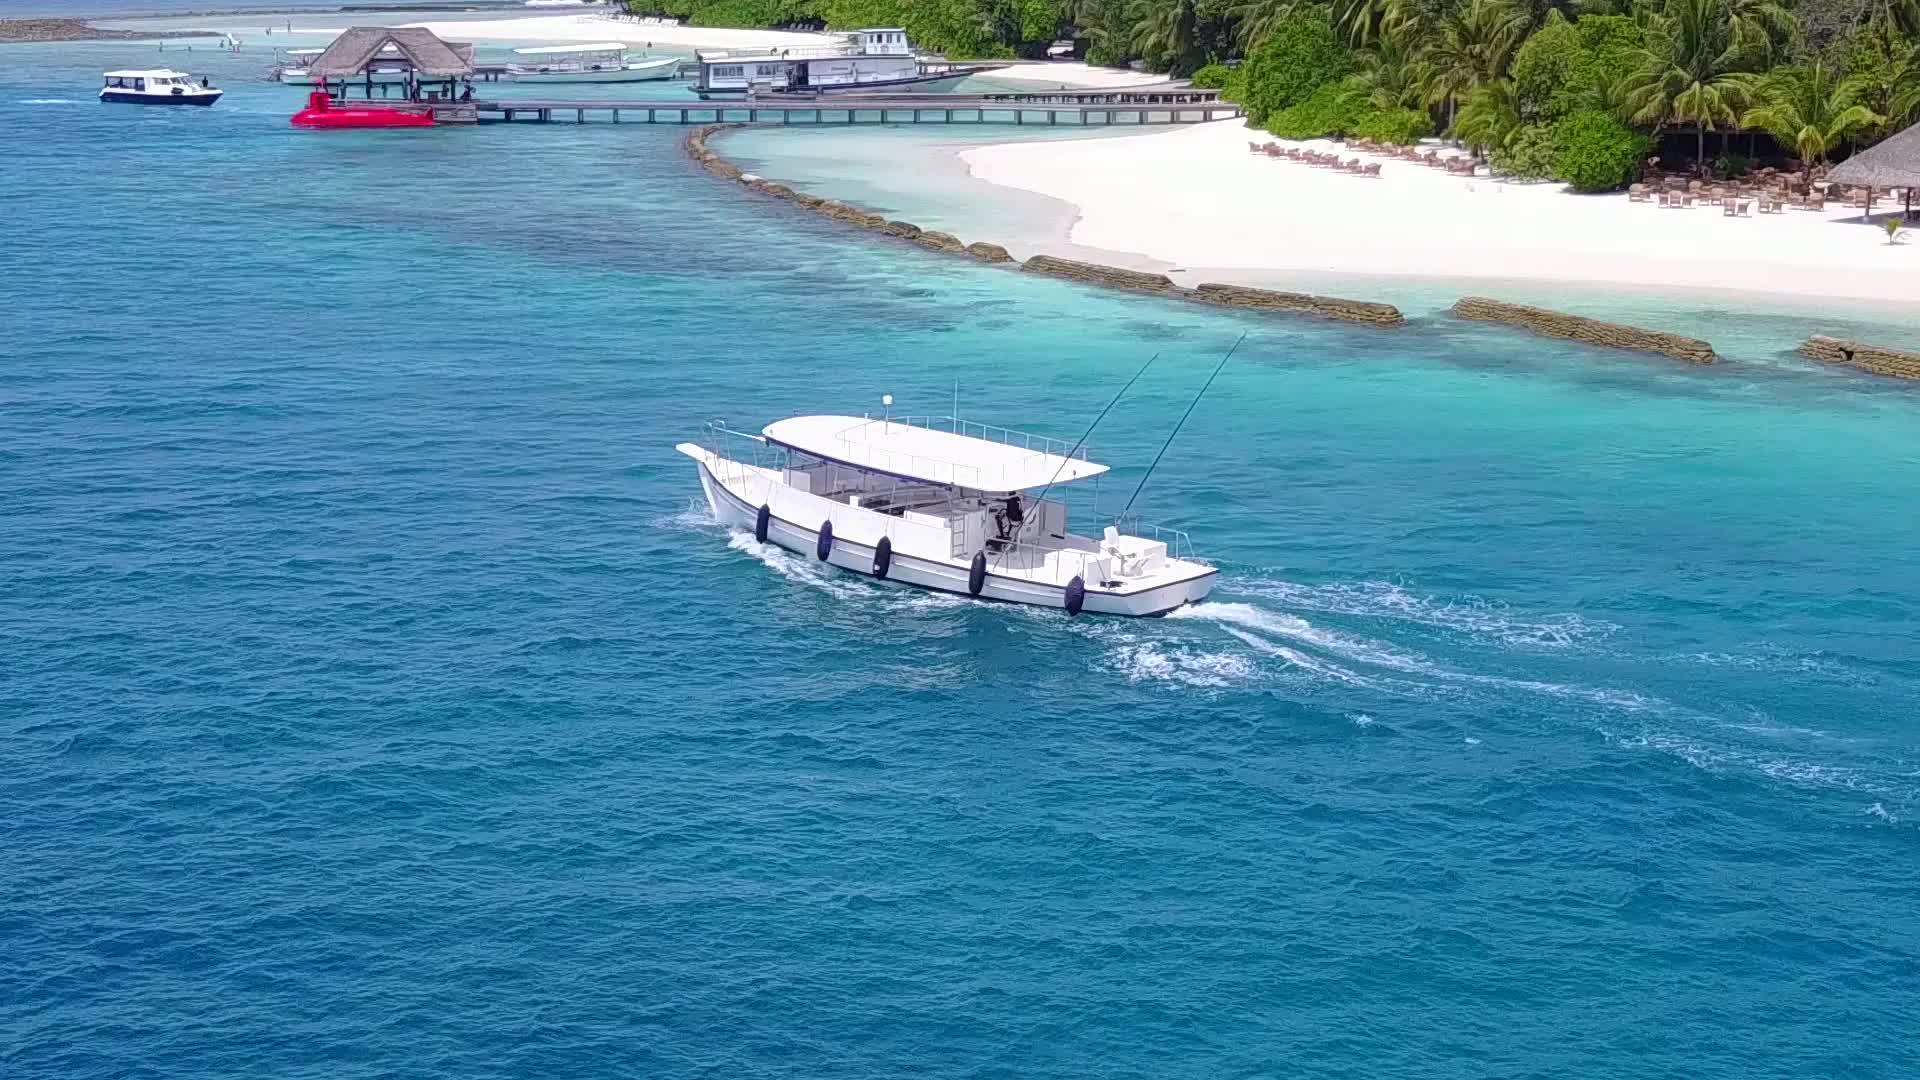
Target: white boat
945	505
388	67
602	63
867	61
157	86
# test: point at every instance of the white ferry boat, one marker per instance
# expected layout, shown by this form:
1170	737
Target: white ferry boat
158	86
602	63
868	60
294	69
942	504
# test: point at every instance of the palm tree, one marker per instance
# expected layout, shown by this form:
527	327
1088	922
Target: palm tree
1696	67
1491	116
1475	45
1255	19
1810	109
1394	72
1902	17
1163	29
1887	72
1359	22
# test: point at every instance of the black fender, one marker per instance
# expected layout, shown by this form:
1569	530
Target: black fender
760	522
825	546
1076	595
977	573
882	557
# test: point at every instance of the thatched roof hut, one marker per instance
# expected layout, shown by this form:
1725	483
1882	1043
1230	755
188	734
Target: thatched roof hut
1894	163
431	57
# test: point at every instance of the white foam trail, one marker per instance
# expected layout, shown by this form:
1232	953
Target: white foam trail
1723	759
1280	624
1376	654
793	568
1148	661
1472	615
697	515
49	101
1324	669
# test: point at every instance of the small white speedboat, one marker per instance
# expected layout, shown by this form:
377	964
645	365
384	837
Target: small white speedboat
942	504
157	86
602	63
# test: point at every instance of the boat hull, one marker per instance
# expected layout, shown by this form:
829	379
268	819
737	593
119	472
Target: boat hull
380	78
921	84
654	72
945	576
135	97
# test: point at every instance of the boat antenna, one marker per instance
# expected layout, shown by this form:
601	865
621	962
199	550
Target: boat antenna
1084	436
1176	428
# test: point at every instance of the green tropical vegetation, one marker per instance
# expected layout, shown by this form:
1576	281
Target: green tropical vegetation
1581	91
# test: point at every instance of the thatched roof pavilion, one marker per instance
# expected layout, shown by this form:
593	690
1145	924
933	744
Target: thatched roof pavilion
1893	163
431	58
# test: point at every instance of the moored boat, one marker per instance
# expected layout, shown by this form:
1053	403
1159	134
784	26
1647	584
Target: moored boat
602	63
157	86
945	505
868	61
323	112
294	69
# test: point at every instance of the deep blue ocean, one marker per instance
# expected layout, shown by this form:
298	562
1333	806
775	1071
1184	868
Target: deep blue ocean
377	703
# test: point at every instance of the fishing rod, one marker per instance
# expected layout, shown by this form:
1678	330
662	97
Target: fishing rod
1096	423
1176	428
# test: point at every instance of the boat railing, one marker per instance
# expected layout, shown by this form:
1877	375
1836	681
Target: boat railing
1179	544
725	444
973	429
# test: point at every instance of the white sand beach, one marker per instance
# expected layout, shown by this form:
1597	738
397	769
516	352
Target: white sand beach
1195	197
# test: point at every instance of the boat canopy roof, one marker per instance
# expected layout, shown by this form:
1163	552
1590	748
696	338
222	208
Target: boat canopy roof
553	50
994	460
149	73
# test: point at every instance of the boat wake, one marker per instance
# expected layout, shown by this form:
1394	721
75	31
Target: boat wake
50	101
835	583
1219	646
1484	620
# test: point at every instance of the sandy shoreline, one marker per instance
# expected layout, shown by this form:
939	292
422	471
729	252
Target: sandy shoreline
54	29
1194	197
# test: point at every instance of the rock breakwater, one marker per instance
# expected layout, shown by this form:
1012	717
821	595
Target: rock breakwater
1550	323
1881	361
1328	307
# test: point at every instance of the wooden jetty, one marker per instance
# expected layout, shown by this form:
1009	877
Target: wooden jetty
859	109
1166	95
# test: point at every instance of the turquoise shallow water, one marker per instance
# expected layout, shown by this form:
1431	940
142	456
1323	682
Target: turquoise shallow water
376	705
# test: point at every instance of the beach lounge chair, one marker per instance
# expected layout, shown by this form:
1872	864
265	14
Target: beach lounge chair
1371	169
1637	193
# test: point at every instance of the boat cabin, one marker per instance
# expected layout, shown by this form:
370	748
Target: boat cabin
872	59
540	60
157	86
